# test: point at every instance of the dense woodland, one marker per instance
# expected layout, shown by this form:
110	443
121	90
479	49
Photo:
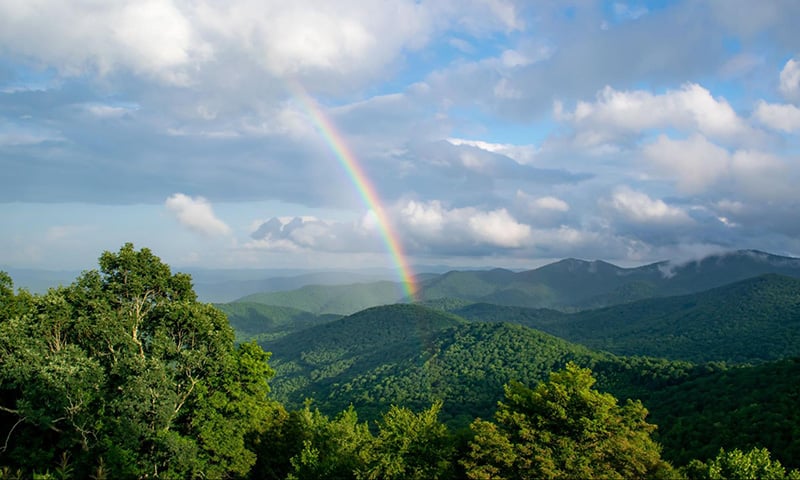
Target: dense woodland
125	374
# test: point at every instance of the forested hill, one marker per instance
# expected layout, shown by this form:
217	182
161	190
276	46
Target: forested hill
752	320
412	355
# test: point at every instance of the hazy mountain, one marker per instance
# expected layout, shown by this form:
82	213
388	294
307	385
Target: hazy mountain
336	299
571	283
567	285
256	321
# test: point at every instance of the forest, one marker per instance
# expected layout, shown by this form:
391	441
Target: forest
126	374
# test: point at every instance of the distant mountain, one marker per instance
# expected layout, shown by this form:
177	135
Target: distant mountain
567	285
210	290
757	319
578	284
256	321
335	299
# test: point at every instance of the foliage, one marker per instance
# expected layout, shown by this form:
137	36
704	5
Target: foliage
740	407
564	428
738	465
413	446
757	319
125	369
331	449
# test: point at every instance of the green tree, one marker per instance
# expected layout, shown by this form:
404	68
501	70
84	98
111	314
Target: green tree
564	428
409	446
330	448
125	369
738	465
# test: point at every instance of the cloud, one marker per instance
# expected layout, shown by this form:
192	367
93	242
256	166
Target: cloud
784	117
691	109
790	79
150	37
695	162
522	154
697	165
431	224
196	214
640	208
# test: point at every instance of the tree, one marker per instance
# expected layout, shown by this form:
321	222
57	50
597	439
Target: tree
409	446
330	448
564	428
125	368
738	465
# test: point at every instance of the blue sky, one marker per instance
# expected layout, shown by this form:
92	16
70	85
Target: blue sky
496	132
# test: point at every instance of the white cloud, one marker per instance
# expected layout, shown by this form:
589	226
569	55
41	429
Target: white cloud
153	37
790	79
196	214
640	208
432	223
695	162
547	203
785	117
522	154
691	109
499	228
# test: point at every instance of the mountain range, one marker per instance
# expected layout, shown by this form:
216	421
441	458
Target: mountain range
567	285
658	333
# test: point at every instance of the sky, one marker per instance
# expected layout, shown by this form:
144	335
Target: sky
491	132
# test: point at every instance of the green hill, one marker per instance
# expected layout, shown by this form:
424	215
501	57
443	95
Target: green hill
748	321
256	321
411	355
742	407
336	299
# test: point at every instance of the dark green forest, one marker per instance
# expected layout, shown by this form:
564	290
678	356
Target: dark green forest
125	374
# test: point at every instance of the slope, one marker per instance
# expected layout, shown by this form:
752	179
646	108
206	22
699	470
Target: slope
412	356
256	321
752	320
336	299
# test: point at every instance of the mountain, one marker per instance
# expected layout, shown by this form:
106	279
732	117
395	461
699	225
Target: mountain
256	321
411	355
742	407
572	284
568	285
752	320
334	299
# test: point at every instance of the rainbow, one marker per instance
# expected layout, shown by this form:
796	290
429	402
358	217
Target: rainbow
362	183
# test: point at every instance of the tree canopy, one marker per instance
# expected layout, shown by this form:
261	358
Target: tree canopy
124	370
563	428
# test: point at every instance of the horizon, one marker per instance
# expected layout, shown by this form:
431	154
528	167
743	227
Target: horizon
473	134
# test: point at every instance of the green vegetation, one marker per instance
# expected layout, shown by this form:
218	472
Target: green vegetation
123	374
752	320
564	428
